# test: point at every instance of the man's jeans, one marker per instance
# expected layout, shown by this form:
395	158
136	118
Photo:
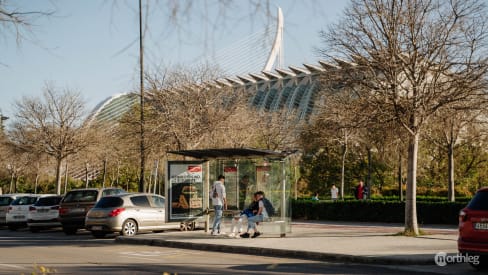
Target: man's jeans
251	221
217	218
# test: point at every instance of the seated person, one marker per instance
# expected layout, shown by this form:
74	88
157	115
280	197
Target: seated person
260	216
237	221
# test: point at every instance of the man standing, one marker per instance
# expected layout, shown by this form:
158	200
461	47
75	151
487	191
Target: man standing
334	192
219	202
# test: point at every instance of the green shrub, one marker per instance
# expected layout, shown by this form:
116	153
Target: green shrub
376	211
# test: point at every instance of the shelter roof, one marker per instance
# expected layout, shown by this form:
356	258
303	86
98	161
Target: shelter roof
230	153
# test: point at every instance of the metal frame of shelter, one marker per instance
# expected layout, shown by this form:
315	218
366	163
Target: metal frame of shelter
247	170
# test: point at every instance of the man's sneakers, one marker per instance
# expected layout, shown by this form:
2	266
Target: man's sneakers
256	234
215	233
247	235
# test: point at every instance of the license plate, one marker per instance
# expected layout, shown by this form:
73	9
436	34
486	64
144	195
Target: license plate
19	217
481	226
96	227
77	210
42	210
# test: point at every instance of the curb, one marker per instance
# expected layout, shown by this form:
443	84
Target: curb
272	252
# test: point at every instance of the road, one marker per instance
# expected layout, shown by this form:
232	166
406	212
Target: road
23	252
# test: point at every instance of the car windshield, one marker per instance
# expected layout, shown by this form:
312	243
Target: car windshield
109	202
24	201
81	196
48	201
111	192
479	202
5	201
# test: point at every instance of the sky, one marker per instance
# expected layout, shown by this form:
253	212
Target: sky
91	46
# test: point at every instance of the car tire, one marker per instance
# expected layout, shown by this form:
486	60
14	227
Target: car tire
187	226
12	227
34	229
129	228
99	234
70	230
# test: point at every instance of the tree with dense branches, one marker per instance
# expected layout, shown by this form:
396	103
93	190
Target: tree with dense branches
408	60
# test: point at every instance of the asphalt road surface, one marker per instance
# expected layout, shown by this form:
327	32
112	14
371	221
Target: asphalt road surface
23	252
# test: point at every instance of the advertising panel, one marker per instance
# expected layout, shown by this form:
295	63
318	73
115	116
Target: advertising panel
185	189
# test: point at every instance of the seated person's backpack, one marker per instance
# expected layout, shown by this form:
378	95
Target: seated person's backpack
269	207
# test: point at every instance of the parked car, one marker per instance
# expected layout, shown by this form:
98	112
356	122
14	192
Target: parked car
44	213
76	203
5	201
473	229
16	216
127	214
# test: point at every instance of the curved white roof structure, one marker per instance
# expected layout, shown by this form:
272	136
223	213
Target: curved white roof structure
113	108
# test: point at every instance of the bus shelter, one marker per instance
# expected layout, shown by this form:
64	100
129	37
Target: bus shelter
191	173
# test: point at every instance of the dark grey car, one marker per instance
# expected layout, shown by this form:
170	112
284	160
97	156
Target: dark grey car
76	203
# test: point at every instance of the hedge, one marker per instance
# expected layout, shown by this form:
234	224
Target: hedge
376	211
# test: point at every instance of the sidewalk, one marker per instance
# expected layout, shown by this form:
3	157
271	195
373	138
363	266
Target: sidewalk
371	243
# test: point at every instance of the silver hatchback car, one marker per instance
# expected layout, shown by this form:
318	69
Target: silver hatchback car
126	213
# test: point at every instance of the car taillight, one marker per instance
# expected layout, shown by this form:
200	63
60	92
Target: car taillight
9	209
463	216
55	207
62	211
116	212
32	208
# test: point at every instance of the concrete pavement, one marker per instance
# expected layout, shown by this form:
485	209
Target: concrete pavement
372	243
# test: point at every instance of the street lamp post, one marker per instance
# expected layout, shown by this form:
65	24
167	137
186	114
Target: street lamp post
142	122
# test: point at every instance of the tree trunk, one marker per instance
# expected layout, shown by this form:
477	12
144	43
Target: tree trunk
66	176
400	189
36	182
104	172
368	179
58	175
451	192
11	189
86	175
411	226
343	169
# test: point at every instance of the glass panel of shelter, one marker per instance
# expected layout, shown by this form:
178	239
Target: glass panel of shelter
244	177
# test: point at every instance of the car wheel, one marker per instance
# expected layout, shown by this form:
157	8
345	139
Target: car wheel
98	234
129	228
12	227
70	230
34	229
187	226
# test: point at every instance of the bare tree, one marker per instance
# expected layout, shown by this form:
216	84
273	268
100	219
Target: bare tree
409	59
448	129
276	130
187	111
18	22
337	122
52	125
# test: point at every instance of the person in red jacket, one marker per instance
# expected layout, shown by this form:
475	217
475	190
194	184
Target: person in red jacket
359	191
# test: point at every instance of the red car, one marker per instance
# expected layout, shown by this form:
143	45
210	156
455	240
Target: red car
473	229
